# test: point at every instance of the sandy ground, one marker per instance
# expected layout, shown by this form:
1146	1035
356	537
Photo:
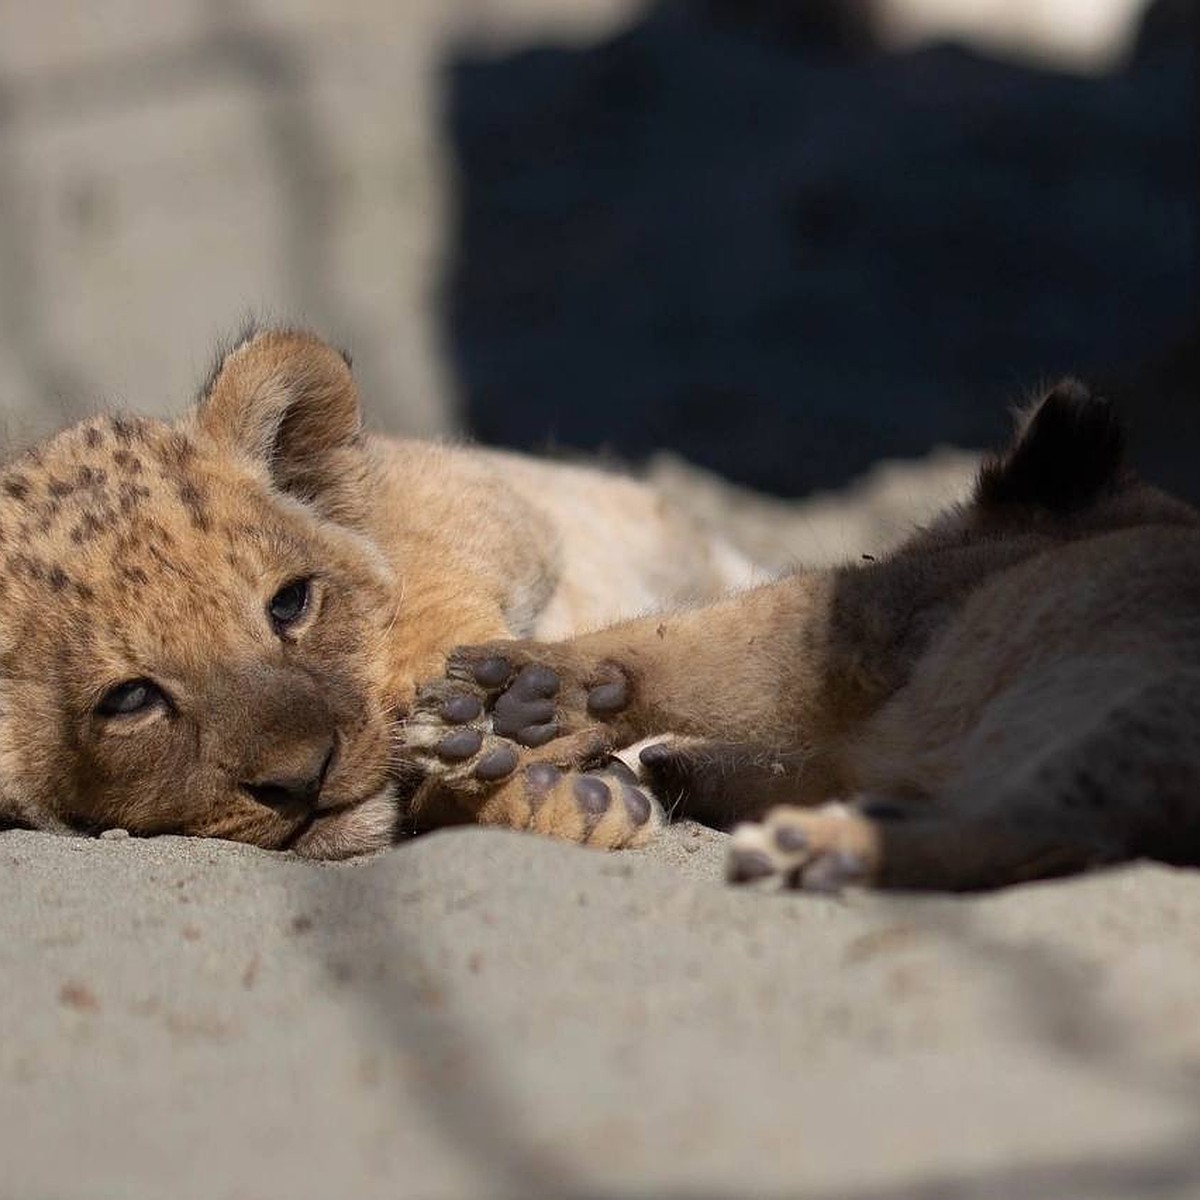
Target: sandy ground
484	1014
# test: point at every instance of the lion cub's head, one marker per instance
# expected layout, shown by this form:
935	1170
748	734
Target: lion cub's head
190	623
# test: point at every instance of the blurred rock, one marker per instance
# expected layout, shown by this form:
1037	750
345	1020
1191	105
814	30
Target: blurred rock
1087	35
167	168
869	516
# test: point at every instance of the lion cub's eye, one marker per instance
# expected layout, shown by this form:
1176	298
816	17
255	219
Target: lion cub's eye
289	604
130	699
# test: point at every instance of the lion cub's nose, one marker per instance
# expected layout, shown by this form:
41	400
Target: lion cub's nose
292	783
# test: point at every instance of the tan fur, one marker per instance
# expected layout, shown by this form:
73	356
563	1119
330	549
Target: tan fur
137	550
1013	693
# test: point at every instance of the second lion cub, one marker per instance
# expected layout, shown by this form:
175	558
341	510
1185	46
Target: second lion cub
1014	693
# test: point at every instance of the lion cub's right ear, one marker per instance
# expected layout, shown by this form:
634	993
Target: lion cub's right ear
287	400
1069	450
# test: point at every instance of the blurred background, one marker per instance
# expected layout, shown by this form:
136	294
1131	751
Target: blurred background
782	240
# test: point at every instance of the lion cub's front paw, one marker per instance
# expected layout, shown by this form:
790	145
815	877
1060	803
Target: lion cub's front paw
449	734
818	849
536	692
495	736
472	732
605	807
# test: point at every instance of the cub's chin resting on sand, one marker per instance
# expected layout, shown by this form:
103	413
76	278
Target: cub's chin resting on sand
1012	694
214	626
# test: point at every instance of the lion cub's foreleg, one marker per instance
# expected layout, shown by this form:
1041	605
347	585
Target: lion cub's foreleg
525	730
570	787
752	668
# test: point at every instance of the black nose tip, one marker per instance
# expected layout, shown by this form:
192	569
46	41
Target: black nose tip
292	792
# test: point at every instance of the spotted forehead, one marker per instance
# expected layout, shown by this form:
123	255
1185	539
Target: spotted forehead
119	498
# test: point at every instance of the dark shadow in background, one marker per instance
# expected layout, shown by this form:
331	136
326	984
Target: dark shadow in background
740	231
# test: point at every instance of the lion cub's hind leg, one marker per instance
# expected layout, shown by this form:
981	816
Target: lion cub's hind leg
1122	782
494	743
876	844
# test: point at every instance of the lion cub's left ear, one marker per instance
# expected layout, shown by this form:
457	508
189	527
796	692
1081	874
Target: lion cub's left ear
287	400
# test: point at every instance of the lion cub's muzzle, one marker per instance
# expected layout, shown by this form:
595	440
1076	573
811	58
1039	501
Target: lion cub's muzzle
291	783
288	741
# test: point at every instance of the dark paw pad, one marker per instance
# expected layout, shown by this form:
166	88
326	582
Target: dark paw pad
592	795
747	865
603	807
497	763
637	804
525	711
657	754
540	780
617	767
608	698
534	682
459	745
791	839
461	710
491	672
831	872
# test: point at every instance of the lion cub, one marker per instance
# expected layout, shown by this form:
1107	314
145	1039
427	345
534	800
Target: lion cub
213	627
1012	694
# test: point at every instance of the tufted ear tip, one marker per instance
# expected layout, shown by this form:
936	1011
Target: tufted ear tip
1069	450
283	397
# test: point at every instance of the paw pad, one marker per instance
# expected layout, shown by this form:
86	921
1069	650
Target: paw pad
746	865
491	672
497	763
820	850
461	709
592	795
459	745
608	698
595	808
470	730
524	711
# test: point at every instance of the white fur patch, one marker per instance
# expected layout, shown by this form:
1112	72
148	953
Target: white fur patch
370	825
